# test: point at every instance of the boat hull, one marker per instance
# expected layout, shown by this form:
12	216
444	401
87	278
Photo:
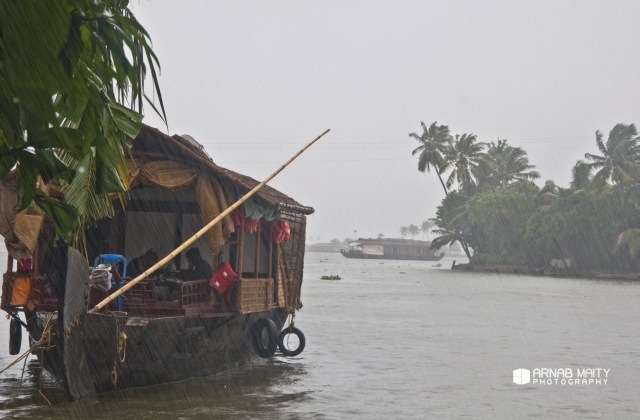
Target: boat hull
362	255
157	350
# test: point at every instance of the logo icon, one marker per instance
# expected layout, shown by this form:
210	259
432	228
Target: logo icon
521	376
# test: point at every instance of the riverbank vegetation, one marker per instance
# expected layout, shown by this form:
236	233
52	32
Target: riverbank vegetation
499	215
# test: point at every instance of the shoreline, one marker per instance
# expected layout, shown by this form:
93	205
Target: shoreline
536	271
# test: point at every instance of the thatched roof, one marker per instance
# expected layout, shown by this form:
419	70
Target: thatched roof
152	144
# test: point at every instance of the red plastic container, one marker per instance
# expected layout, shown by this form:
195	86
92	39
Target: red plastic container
223	280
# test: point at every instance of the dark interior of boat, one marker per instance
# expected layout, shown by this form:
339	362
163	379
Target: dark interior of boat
160	219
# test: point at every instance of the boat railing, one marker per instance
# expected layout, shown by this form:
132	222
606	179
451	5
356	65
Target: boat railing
192	293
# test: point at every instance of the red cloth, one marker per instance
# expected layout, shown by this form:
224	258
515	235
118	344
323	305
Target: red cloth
223	280
280	231
251	226
24	265
237	215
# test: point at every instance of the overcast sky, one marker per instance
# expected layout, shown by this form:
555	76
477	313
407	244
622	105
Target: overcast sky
254	81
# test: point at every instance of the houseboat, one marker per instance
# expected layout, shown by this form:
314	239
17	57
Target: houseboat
391	249
178	323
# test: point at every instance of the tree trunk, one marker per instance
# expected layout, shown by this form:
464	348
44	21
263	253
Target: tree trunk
465	248
446	193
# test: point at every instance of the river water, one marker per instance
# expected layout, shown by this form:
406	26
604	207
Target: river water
403	340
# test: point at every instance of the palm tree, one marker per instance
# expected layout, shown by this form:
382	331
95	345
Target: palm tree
508	163
452	224
380	235
425	227
404	231
620	160
433	143
468	160
449	237
413	230
580	176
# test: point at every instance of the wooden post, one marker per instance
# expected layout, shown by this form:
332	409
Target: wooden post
240	251
202	231
270	269
277	289
177	237
9	264
257	248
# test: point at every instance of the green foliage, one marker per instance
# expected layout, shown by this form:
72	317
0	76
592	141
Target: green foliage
620	160
433	143
580	176
413	230
583	227
466	158
404	231
629	241
506	164
425	227
67	71
331	277
501	216
506	219
453	224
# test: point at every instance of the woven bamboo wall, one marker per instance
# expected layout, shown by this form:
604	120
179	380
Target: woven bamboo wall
254	295
291	261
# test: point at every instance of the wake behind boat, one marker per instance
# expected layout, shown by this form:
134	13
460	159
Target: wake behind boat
391	249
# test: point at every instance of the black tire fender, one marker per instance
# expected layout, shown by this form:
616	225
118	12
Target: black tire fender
256	337
15	337
283	347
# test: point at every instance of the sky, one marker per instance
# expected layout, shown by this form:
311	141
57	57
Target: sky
255	81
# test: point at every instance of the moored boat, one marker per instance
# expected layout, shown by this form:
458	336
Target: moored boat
179	322
391	249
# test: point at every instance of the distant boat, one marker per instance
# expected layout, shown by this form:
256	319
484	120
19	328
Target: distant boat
391	249
618	276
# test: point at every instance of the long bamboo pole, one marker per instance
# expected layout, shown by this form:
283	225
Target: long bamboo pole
201	232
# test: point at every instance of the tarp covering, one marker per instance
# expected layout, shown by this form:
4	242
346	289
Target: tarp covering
176	175
20	230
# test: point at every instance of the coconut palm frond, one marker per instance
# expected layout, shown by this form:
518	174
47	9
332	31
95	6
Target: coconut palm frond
447	238
81	194
620	161
599	143
432	144
580	176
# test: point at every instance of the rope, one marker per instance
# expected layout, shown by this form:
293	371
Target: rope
19	387
121	350
46	336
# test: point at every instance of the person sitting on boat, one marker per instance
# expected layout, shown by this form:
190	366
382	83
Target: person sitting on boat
199	269
140	264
